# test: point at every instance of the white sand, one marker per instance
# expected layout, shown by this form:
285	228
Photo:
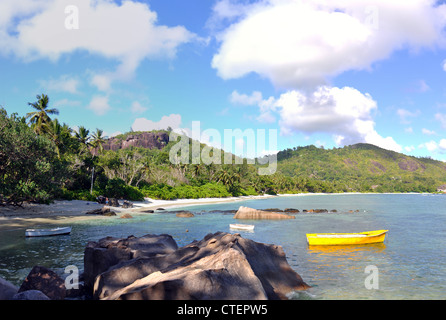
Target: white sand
64	211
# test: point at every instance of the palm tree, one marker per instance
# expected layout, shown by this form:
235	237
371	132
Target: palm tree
82	135
54	131
98	140
40	117
197	168
225	177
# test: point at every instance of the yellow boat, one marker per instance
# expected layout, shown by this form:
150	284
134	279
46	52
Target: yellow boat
333	239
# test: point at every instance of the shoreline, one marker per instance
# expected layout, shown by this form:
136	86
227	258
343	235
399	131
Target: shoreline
66	211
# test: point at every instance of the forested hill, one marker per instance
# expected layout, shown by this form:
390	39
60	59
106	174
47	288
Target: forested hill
363	167
42	159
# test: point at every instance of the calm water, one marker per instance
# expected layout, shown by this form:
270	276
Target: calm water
411	262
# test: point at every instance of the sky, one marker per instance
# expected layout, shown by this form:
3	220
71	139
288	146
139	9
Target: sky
324	72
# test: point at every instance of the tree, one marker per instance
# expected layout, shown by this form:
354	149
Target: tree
225	177
82	135
196	169
40	117
53	131
97	140
29	170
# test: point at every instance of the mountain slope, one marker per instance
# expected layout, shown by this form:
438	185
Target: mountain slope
363	167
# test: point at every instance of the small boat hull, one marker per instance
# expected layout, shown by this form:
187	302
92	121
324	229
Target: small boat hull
245	227
47	232
333	239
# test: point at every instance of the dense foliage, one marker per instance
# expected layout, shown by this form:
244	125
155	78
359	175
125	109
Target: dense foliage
363	168
29	167
41	160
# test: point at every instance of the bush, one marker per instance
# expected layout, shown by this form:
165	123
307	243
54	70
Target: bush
85	195
29	168
166	192
117	188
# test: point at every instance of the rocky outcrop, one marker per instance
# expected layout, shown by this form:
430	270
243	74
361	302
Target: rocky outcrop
291	210
107	252
30	295
149	140
377	167
46	281
127	204
184	214
112	202
410	165
104	211
7	289
220	266
250	213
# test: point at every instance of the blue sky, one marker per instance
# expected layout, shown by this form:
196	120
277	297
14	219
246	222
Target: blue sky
328	73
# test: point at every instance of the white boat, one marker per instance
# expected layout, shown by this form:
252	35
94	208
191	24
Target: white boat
47	232
246	227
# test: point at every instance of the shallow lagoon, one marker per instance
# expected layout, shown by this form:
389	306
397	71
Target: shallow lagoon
411	262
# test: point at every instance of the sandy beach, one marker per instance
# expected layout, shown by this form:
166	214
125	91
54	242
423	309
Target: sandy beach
64	211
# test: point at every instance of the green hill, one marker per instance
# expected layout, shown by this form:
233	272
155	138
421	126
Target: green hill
363	167
42	163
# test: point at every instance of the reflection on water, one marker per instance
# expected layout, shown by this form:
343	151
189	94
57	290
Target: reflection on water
347	251
341	267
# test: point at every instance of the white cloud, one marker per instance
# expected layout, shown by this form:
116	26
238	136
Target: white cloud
434	147
243	99
64	83
423	86
442	144
441	117
405	115
409	148
143	124
127	32
102	81
66	103
345	113
430	146
99	104
111	135
427	132
304	43
137	107
256	99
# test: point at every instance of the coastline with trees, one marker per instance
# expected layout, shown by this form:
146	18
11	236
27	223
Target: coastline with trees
42	160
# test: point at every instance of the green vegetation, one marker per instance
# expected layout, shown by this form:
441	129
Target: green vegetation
42	159
363	168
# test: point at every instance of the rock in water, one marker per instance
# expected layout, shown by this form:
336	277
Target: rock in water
7	289
221	266
112	202
185	214
250	213
104	211
107	252
127	204
30	295
46	281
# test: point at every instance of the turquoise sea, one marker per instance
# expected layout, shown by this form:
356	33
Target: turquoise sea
410	264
